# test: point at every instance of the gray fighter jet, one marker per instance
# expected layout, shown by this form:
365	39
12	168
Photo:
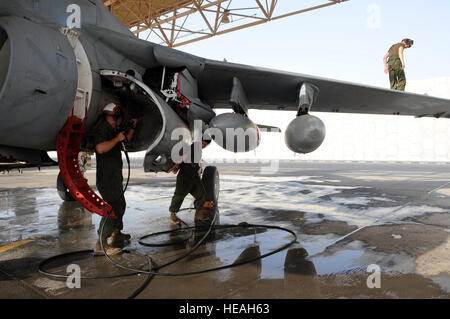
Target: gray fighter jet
61	61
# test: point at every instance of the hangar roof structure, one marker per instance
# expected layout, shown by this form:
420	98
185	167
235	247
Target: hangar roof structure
179	22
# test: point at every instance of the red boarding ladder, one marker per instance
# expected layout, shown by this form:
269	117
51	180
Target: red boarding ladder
68	146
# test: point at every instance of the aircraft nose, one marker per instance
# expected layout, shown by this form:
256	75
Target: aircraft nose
5	55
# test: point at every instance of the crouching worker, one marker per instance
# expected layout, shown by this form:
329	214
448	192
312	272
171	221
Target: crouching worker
189	182
108	145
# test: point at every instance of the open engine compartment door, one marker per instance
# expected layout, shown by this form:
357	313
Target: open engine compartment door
157	125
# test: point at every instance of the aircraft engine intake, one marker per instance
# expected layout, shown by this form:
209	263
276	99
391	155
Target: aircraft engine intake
234	132
305	134
38	76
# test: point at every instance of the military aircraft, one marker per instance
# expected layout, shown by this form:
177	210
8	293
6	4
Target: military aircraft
62	61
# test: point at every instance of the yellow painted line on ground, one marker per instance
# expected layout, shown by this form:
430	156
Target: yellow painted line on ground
78	223
17	244
28	240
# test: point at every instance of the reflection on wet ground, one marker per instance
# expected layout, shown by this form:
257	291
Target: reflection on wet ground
344	223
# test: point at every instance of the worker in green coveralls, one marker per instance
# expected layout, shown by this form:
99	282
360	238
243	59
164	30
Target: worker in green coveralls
108	146
396	64
189	182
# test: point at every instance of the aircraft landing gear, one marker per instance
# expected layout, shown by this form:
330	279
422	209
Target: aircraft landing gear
63	191
211	183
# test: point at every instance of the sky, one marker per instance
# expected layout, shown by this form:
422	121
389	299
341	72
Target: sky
347	42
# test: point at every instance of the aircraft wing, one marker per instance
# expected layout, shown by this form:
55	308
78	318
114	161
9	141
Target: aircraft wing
267	89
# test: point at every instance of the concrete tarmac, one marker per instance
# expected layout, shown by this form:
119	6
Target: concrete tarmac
353	222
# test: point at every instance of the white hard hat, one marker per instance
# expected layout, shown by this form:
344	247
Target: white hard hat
111	108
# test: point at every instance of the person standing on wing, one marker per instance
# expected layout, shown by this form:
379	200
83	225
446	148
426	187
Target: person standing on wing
396	65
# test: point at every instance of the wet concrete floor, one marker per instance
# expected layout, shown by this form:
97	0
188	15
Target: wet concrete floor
348	217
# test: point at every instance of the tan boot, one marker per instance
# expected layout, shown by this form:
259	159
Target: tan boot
110	251
205	213
202	215
174	220
117	238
